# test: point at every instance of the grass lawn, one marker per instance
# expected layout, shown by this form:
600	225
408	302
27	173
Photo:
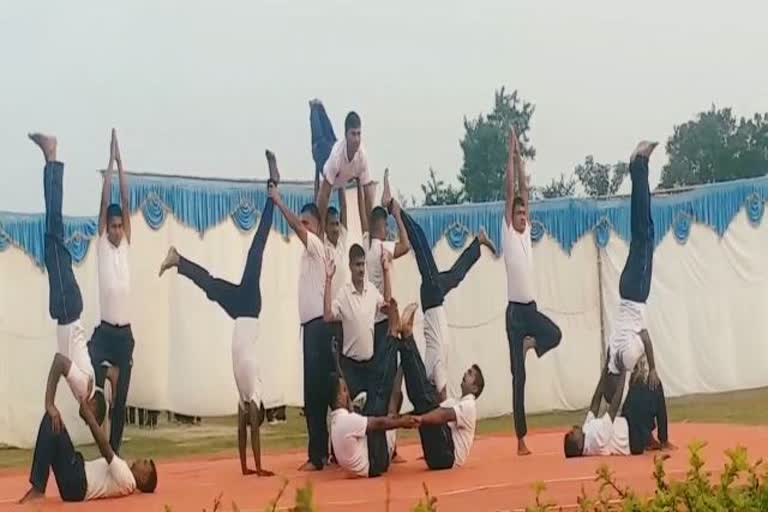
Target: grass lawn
217	436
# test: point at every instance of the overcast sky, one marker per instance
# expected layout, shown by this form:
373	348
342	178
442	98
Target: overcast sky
201	88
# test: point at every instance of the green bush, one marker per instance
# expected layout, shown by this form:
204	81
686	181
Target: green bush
742	487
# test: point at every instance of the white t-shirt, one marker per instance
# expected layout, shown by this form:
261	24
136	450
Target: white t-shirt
73	345
311	279
245	360
518	259
463	429
605	437
108	480
338	169
357	312
625	347
114	281
350	444
339	254
373	267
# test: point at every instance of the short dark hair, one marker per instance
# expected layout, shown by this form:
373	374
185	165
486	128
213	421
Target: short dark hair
352	121
378	214
356	252
311	208
518	201
114	210
570	446
331	211
150	484
479	380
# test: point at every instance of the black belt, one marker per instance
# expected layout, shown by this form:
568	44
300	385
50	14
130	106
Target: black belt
115	326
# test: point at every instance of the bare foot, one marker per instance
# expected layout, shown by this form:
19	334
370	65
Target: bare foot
398	459
406	320
394	317
386	195
32	495
528	344
668	447
644	148
274	174
46	143
315	101
522	449
482	237
171	260
308	466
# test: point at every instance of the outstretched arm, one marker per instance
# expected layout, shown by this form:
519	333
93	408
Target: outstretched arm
403	244
106	187
594	406
59	366
362	208
509	179
323	198
388	423
653	377
124	202
522	180
386	265
439	416
290	217
328	314
613	407
343	207
98	435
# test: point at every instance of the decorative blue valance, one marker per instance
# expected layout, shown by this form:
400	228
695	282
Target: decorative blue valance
204	203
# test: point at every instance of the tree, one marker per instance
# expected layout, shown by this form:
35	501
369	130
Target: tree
716	147
559	188
485	146
436	192
601	180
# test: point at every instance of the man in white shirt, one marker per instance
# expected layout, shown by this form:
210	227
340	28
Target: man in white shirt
356	306
65	305
629	340
317	353
435	285
112	342
527	327
78	480
336	250
446	428
373	224
362	442
242	302
629	434
346	161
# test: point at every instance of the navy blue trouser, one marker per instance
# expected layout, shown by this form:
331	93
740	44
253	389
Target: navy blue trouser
635	283
435	285
319	365
65	302
323	137
645	410
238	300
377	404
436	440
56	451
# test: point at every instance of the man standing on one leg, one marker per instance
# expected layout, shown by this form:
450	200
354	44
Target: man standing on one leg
446	428
318	358
346	161
527	327
112	342
242	302
435	285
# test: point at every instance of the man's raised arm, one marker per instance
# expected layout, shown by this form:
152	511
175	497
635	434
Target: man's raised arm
362	208
106	187
509	178
290	217
124	198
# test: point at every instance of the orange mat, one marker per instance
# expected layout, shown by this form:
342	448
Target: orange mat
494	478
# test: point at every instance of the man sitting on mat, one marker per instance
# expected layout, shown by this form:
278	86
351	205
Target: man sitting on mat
360	441
447	429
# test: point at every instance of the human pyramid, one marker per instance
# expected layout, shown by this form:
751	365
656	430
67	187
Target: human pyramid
358	346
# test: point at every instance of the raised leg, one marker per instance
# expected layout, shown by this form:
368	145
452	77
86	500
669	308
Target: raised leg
226	294
55	451
250	289
323	137
450	279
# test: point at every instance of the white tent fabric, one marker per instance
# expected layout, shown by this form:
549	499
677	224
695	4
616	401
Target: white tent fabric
706	317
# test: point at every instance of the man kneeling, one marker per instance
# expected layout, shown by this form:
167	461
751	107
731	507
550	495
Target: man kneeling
447	429
106	477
